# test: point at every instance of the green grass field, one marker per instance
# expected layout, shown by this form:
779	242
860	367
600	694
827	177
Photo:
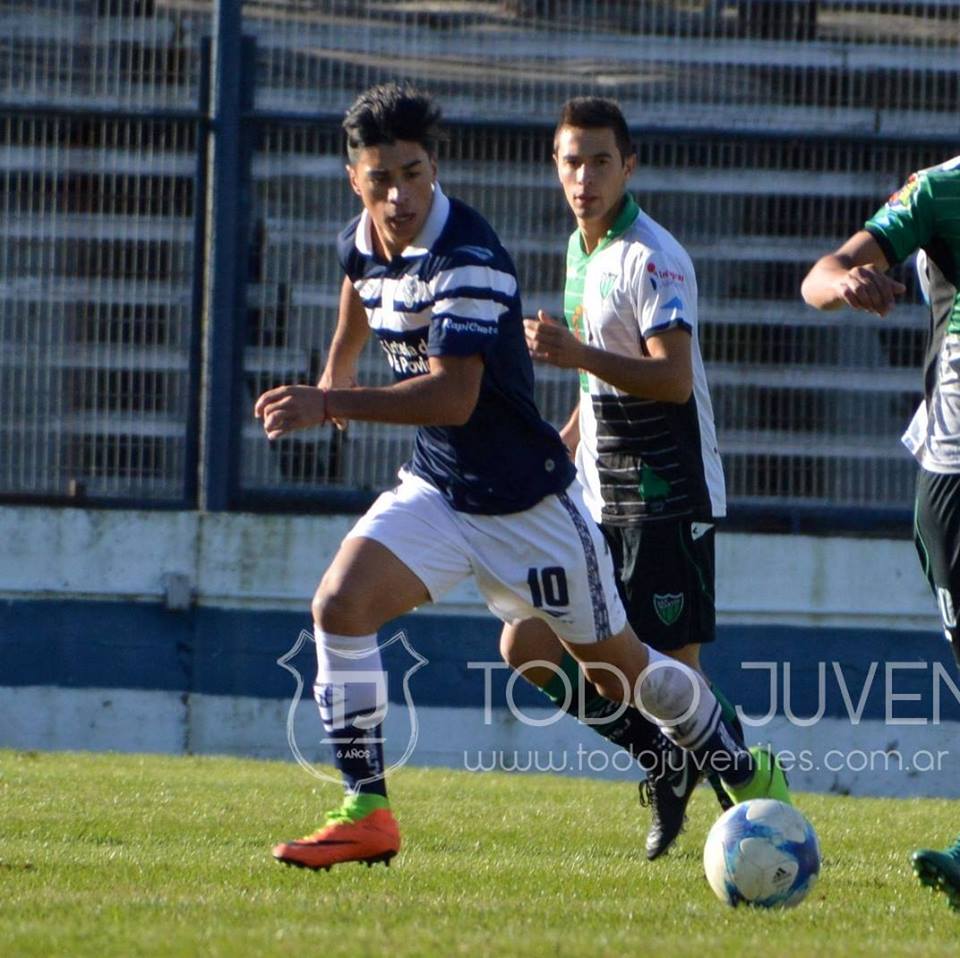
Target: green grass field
134	855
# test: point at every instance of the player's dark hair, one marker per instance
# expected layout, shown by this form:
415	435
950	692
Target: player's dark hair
391	112
596	113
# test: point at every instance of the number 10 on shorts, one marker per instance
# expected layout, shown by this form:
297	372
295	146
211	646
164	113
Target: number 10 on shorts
548	587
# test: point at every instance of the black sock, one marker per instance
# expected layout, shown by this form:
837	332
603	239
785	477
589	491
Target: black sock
724	754
358	754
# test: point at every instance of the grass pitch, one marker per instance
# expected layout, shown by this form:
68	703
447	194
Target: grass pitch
132	855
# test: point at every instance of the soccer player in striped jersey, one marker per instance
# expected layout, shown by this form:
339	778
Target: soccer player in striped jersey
643	436
488	492
924	217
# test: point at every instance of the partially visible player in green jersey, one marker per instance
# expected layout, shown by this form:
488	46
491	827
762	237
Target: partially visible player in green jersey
922	217
643	436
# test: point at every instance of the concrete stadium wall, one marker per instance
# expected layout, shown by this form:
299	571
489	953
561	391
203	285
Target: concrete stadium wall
163	631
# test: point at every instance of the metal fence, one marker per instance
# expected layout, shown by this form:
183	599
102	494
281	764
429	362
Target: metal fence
98	204
767	132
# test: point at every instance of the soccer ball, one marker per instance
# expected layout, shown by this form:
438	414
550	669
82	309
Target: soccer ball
762	852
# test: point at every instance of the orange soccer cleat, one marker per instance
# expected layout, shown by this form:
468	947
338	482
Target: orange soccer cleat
363	829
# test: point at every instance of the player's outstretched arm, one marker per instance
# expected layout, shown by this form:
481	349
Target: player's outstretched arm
666	374
445	396
855	276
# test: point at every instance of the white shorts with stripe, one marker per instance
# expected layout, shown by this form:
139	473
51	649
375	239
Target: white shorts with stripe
549	562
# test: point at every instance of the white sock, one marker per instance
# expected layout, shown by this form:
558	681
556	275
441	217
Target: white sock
678	699
350	679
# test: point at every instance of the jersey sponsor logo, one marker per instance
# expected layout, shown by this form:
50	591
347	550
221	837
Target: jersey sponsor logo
668	606
406	358
452	325
699	529
607	282
665	274
901	198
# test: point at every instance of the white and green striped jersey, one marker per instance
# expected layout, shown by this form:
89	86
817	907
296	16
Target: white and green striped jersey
640	459
924	215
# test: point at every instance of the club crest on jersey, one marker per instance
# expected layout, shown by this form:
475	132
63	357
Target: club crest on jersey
607	282
668	606
408	293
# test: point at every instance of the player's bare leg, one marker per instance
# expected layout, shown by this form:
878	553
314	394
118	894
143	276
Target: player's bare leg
365	587
681	703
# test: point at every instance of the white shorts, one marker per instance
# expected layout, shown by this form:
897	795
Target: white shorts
549	562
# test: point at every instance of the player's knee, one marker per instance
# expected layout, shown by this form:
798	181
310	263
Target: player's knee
338	609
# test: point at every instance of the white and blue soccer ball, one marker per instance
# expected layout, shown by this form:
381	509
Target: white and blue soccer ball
763	853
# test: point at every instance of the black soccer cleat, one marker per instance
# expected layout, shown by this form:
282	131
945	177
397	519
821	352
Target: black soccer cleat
667	793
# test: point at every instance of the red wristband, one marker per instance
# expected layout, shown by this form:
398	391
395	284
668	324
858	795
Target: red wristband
326	415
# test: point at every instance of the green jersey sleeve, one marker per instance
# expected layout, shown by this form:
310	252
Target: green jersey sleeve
906	221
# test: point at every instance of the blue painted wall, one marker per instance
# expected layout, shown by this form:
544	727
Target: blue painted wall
90	644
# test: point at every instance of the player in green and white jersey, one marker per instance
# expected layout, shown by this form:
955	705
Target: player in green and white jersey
922	217
643	436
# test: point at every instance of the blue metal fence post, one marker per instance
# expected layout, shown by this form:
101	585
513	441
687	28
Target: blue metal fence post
224	313
191	489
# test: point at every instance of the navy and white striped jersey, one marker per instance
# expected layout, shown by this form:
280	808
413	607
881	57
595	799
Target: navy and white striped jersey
454	292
